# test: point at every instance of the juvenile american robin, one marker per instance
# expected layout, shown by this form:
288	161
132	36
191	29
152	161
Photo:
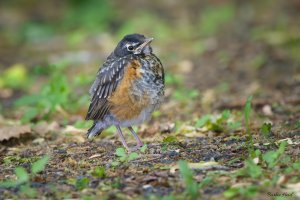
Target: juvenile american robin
128	88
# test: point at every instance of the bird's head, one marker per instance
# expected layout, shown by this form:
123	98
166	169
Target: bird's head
133	44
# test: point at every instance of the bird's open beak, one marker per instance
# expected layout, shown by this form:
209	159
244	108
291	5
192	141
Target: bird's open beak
145	43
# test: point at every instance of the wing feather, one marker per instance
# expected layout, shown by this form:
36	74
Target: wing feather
107	80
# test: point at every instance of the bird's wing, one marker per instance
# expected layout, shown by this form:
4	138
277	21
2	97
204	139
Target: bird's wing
107	80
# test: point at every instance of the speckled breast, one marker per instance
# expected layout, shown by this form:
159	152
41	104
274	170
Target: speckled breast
141	91
151	83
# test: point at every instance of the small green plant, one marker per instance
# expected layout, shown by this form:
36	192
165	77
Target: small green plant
247	111
218	123
15	76
17	160
170	139
123	156
54	96
185	94
272	158
79	183
274	161
144	148
98	172
298	124
82	183
247	191
181	93
191	186
172	79
266	129
253	170
205	182
83	124
23	177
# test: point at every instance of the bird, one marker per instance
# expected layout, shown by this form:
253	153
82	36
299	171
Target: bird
128	88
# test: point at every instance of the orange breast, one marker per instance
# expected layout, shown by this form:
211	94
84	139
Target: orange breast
125	105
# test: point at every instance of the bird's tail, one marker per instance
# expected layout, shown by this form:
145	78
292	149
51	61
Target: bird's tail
95	130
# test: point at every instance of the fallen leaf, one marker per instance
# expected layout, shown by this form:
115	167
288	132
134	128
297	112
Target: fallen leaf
72	129
167	127
184	129
95	156
289	141
201	166
282	179
38	141
44	128
240	185
294	188
13	131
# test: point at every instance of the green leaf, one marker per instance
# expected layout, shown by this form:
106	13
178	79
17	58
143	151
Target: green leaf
203	121
120	152
39	165
270	158
296	166
282	147
28	100
205	182
266	129
22	175
216	127
28	191
144	148
247	111
231	192
252	169
29	115
172	79
298	124
234	125
15	76
170	139
226	114
99	172
87	198
246	192
8	183
83	124
115	163
133	156
187	175
123	158
82	183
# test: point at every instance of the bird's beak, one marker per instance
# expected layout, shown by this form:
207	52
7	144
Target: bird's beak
145	43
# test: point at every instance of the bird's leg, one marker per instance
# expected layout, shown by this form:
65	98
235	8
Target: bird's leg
122	138
138	140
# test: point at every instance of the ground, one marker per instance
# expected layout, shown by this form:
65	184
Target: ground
229	127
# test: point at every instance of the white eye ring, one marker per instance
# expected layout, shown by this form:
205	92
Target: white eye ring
130	48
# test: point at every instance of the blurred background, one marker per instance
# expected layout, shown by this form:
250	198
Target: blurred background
215	53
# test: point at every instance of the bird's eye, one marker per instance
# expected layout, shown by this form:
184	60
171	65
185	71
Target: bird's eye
129	48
